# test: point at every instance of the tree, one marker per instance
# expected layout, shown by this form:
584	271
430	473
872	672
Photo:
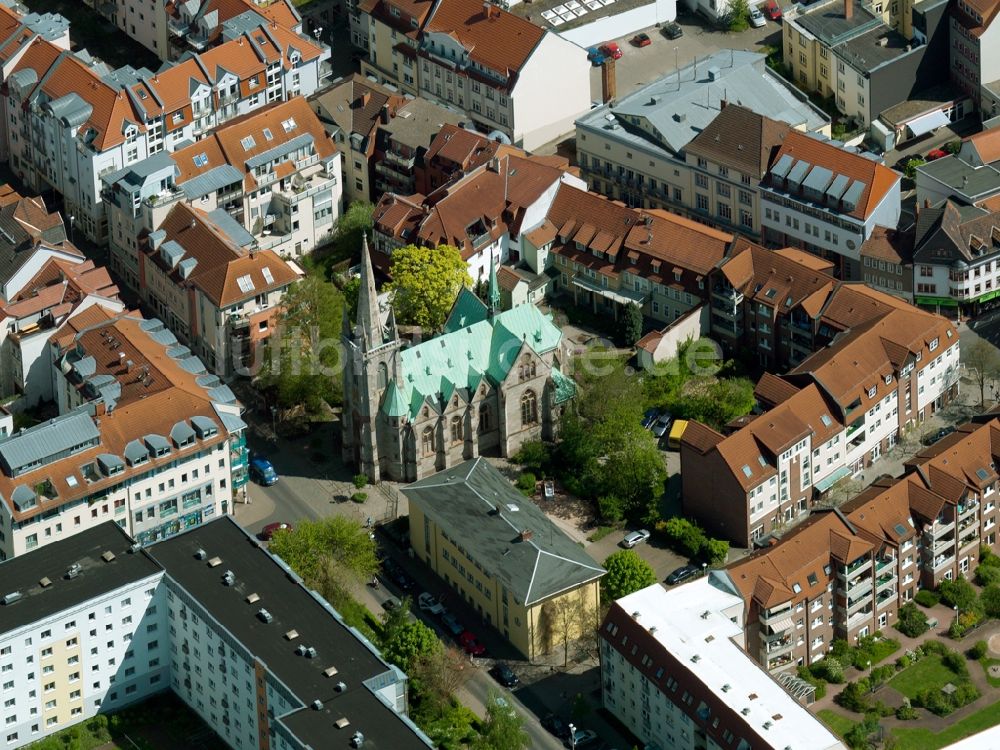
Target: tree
329	555
841	491
739	16
425	282
631	467
395	618
715	551
627	572
437	674
565	620
631	324
714	402
983	361
990	599
351	290
347	232
912	621
452	728
409	643
910	170
503	727
958	593
302	356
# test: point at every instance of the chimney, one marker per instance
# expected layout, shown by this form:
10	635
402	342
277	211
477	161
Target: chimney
365	98
722	104
100	409
383	115
927	202
525	535
609	85
488	9
848	9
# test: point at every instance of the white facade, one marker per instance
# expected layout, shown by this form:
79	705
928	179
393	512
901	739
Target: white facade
101	655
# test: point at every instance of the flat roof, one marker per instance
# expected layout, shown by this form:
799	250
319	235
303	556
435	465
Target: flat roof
292	607
866	52
935	97
827	22
418	121
963	178
95	577
692	622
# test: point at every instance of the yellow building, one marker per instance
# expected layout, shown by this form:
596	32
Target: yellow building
503	555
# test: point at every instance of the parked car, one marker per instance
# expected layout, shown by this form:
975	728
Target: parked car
936	153
390	604
268	531
396	574
452	624
262	471
649	418
504	675
429	603
756	17
641	40
556	726
683	573
612	50
772	10
467	640
672	31
595	56
662	424
934	437
581	738
635	537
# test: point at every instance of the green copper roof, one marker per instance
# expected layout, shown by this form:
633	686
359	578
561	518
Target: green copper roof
468	309
393	403
565	387
459	358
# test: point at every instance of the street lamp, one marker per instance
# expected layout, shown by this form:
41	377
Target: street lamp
572	736
319	33
871	682
72	221
704	569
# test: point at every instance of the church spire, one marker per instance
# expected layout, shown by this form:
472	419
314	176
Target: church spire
494	289
368	316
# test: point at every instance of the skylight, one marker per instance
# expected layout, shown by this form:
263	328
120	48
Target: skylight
288	125
248	143
200	160
268	134
268	276
825	419
245	283
796	588
982	474
762	461
900	529
747	471
770	293
71	481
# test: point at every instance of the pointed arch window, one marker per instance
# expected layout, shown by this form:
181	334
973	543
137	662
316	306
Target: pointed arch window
526	369
427	441
383	375
485	418
529	408
457	430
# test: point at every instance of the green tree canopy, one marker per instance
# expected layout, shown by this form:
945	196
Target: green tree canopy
503	727
329	554
408	643
631	324
958	593
627	572
346	243
425	282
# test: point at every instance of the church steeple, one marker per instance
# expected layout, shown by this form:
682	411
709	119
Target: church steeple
368	316
494	289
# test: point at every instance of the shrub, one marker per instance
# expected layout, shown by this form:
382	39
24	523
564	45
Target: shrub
804	673
978	650
855	696
872	648
987	557
965	621
910	171
533	456
927	598
906	712
902	662
958	593
830	669
526	482
954	661
990	598
714	551
987	575
684	535
359	497
360	481
841	649
611	509
934	647
911	621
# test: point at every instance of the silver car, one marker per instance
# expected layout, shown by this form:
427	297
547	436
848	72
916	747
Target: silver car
635	537
662	424
756	17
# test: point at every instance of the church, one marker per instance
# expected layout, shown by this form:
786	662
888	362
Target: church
489	382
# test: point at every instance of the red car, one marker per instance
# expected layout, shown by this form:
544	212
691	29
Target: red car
467	640
612	50
641	40
936	154
268	531
772	10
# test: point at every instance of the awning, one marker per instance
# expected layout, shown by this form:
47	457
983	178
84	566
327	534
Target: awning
621	296
927	123
942	301
783	624
827	482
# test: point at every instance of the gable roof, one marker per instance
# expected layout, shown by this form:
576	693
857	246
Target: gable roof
740	138
475	504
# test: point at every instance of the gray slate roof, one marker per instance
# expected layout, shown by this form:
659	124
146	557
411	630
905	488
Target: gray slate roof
210	181
677	110
462	501
49	439
232	228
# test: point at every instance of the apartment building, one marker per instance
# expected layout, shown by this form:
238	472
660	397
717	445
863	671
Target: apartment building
674	673
215	291
472	55
971	177
275	172
145	437
822	198
483	213
887	261
95	623
503	556
457	151
880	367
634	149
975	49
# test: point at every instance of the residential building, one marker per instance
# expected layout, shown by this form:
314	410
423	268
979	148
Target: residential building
975	48
879	367
489	63
483	213
843	574
634	149
101	623
674	673
887	261
144	437
457	151
504	556
822	198
214	290
868	57
275	172
489	382
31	237
971	176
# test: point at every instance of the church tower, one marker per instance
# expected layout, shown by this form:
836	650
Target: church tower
372	362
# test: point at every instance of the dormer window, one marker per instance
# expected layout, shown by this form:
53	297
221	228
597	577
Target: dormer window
933	345
677	274
871	392
888	379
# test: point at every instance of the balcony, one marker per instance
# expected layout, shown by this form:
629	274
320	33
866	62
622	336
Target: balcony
854	427
400	160
969	539
779	662
884	562
858	619
943	560
855	568
780	646
964	511
941	545
885	598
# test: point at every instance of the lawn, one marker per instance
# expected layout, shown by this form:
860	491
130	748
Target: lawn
924	739
839	723
987	662
929	672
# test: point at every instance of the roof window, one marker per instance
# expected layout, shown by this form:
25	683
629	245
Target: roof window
248	143
200	160
288	125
